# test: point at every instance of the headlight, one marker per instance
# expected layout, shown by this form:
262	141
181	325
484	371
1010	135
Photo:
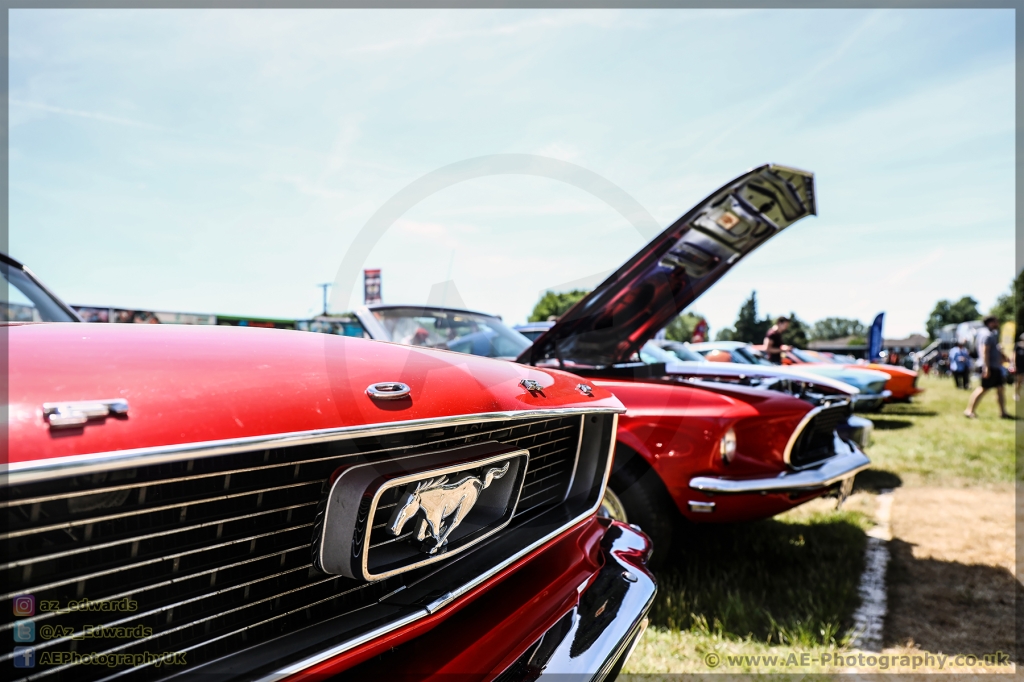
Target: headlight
727	446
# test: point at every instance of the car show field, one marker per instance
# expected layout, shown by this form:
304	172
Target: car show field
788	585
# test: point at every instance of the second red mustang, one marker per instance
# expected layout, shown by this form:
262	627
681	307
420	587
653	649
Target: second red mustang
700	444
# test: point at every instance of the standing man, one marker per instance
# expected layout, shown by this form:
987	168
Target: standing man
773	347
991	359
960	366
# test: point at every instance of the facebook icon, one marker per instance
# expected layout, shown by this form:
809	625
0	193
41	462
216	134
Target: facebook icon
24	657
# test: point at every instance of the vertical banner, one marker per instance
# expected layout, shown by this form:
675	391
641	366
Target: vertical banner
875	338
371	287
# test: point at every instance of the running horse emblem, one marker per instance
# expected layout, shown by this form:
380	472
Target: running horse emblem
444	505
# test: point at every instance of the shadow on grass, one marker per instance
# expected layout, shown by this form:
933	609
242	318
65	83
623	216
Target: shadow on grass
891	424
905	411
949	607
875	480
791	583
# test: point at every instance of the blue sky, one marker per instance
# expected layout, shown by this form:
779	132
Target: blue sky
223	161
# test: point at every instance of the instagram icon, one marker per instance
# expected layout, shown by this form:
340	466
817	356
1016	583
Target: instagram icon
25	605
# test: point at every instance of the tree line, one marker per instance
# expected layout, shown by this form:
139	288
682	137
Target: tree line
750	328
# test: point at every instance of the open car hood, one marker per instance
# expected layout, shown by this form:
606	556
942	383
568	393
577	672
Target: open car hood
625	311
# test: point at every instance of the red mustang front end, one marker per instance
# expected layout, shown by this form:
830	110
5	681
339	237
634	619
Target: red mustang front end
232	503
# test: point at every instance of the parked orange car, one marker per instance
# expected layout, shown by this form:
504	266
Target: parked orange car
902	382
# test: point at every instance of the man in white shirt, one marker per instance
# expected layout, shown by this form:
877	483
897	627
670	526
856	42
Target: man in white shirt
991	358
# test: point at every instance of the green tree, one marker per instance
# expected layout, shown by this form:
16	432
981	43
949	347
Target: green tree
681	328
836	328
1010	306
725	334
748	327
945	312
796	335
554	305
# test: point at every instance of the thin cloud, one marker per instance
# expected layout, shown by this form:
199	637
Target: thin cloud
916	267
788	91
96	116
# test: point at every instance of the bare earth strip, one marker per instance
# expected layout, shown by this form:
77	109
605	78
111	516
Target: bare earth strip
951	578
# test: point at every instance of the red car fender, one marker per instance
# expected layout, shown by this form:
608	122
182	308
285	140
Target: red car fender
676	428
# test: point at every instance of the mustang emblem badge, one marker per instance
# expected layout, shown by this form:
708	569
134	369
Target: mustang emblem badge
387	516
444	505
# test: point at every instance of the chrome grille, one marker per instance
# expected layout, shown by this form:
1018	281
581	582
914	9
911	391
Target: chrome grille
215	552
817	441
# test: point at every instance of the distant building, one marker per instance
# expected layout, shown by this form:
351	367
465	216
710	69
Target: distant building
847	345
123	315
910	344
343	325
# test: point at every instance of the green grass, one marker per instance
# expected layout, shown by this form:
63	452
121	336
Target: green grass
789	582
930	442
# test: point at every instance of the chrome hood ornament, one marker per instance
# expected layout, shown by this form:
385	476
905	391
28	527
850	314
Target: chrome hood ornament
444	505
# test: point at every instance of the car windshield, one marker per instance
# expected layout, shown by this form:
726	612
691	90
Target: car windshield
531	334
459	331
749	355
683	352
651	354
27	301
806	356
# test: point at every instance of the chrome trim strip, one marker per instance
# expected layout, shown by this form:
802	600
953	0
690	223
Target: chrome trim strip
56	299
67	525
165	583
871	397
831	471
798	431
18	473
227	472
149	536
591	659
576	461
299	666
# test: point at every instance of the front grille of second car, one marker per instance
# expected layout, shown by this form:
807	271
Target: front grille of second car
817	441
209	556
876	387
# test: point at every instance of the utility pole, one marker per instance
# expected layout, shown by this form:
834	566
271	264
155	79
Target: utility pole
325	287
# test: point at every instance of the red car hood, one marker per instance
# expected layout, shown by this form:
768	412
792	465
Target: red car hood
188	384
625	311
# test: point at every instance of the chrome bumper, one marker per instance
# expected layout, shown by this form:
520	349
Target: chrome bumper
858	430
593	641
869	401
847	463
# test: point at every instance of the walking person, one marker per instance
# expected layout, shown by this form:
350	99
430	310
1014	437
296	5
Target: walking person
960	366
773	347
991	358
1018	366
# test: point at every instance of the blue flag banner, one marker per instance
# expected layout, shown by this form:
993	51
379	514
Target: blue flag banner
875	338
